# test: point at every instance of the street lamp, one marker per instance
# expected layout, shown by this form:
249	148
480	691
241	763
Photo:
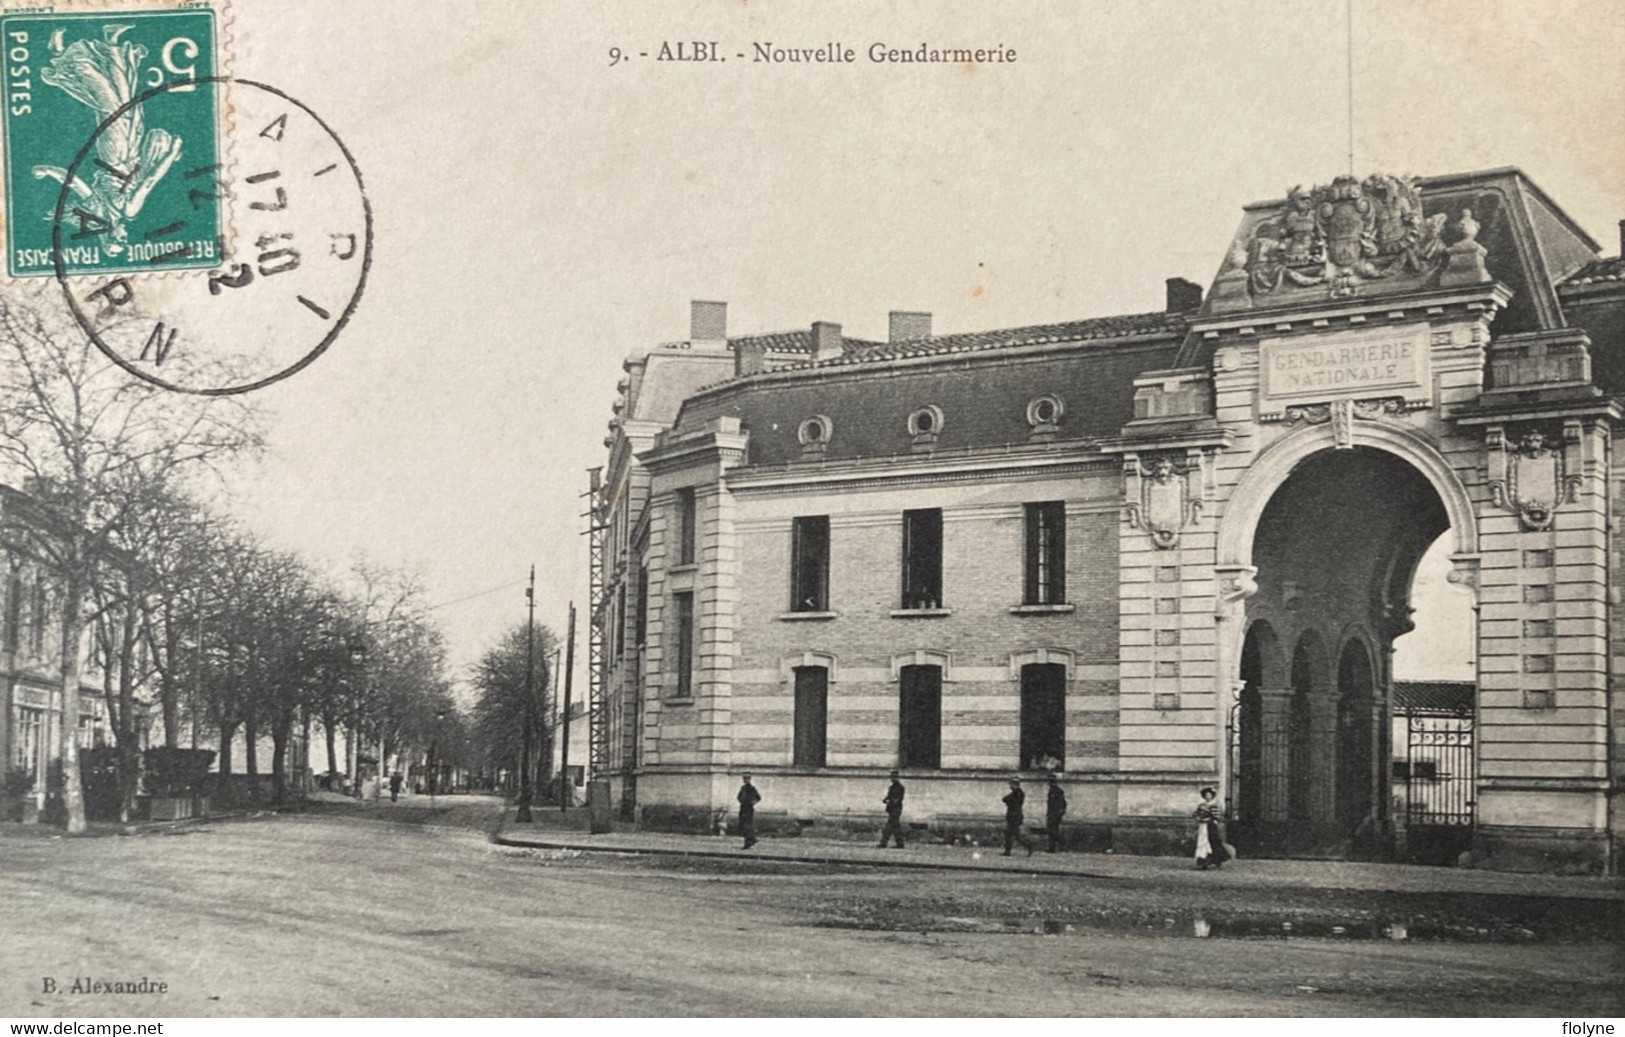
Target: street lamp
434	764
358	659
523	813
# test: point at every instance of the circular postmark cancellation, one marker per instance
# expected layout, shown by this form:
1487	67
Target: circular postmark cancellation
282	276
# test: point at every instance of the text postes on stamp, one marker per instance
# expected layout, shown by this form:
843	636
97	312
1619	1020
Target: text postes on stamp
293	277
147	197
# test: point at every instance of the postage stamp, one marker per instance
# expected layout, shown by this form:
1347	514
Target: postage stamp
112	124
289	282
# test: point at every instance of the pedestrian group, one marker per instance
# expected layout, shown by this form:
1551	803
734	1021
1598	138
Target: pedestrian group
1212	849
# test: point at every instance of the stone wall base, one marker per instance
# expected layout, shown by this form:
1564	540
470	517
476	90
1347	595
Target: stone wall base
1560	851
1154	837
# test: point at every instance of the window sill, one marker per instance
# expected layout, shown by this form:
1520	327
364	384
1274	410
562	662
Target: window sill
800	617
685	567
920	613
679	700
1041	610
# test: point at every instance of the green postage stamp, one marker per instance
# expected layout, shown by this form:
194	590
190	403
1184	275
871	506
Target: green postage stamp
113	147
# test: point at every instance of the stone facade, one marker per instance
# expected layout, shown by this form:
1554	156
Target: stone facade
31	658
1154	552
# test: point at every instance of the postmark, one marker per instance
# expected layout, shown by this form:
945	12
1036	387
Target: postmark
66	75
288	283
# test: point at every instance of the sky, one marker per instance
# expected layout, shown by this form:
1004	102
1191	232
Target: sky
540	213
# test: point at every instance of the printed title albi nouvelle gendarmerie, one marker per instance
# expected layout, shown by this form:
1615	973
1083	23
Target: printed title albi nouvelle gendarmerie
823	54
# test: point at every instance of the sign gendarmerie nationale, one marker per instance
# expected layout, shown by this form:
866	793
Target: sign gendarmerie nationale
1389	360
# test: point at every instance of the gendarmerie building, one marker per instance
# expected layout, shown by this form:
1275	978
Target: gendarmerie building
1153	552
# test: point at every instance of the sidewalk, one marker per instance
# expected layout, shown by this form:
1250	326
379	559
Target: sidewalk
549	830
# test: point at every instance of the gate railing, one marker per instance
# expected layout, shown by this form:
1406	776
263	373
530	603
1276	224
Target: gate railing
1438	770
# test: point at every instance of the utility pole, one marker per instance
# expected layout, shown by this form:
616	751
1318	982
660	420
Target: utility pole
566	791
523	813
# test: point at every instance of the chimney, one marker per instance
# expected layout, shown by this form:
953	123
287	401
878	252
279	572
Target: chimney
707	320
750	356
907	326
827	341
1183	296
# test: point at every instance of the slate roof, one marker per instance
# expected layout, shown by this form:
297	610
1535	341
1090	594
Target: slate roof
790	342
859	352
1600	271
1434	696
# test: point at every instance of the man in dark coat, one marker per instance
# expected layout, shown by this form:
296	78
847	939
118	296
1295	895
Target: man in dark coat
894	813
748	798
1013	817
1054	810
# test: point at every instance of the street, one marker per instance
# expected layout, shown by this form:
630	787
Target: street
408	910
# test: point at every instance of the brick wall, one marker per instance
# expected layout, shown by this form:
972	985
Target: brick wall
864	642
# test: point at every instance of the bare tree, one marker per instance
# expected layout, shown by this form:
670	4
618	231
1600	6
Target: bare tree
90	443
511	713
177	540
404	653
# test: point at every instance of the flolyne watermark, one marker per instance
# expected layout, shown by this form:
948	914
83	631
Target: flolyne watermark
1588	1029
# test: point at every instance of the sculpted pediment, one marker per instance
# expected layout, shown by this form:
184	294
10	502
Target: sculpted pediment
1347	239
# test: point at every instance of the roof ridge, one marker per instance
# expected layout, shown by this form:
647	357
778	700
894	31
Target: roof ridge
1111	326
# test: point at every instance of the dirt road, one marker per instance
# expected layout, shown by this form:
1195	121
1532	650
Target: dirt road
404	911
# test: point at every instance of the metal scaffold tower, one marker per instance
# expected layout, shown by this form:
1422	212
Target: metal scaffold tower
597	516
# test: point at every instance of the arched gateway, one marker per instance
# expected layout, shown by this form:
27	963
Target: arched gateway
1335	548
1332	414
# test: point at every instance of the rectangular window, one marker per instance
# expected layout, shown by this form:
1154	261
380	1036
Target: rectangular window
687	526
812	715
919	735
36	639
809	564
683	605
620	620
14	612
1043	716
1046	553
642	615
29	733
922	559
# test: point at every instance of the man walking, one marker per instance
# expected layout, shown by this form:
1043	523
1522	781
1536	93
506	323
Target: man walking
395	787
1054	810
748	798
894	813
1013	817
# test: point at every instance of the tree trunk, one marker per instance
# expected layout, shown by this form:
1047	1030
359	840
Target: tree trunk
126	735
281	732
331	730
227	731
169	692
251	756
73	629
304	764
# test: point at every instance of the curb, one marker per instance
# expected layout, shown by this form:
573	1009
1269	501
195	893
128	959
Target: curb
739	855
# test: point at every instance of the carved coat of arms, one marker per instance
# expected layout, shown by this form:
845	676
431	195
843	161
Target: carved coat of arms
1532	479
1342	235
1163	506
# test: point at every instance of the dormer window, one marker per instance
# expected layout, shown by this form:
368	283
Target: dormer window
924	425
814	434
1044	414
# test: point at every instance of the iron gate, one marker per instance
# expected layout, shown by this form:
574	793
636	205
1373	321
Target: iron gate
1257	793
1438	779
